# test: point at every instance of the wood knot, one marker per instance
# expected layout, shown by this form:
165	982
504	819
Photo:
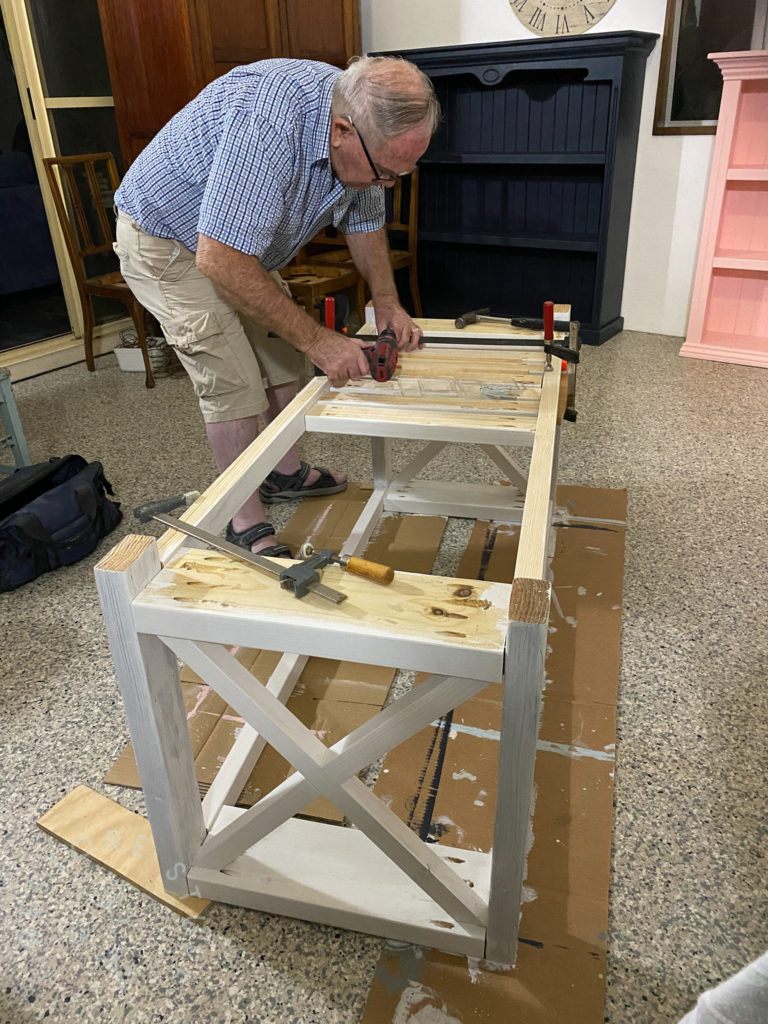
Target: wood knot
463	592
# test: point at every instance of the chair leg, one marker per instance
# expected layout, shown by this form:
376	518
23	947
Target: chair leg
137	315
87	305
413	279
360	300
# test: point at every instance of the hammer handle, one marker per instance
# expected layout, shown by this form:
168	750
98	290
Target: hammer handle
370	570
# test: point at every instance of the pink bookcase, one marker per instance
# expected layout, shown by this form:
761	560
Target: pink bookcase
729	306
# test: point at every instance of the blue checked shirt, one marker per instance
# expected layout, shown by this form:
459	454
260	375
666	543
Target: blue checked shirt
247	163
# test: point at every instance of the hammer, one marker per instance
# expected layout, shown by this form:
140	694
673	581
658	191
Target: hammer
479	316
151	508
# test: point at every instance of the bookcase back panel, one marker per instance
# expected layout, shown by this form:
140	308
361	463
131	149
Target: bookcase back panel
750	140
744	221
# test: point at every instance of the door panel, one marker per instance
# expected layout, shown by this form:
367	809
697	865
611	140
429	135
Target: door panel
327	30
153	67
241	32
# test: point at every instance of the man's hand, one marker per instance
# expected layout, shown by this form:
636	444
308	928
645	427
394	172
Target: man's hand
409	336
339	357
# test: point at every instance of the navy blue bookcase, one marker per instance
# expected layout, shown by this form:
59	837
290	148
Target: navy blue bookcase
526	189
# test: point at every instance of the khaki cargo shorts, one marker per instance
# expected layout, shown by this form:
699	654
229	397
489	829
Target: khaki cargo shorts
229	357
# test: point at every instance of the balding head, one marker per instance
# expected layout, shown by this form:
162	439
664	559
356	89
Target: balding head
386	97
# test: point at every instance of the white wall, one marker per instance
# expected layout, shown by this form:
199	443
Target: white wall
672	171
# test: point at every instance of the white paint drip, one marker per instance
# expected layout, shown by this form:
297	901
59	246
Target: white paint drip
581	591
445	820
464	774
412	1008
529	895
569	749
559	611
470	730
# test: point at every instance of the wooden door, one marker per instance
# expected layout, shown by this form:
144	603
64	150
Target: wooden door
160	55
233	32
154	66
327	30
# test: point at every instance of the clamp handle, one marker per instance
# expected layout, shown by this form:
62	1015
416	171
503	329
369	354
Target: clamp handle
370	570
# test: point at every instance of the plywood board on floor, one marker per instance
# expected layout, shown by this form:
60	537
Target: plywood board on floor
116	838
443	782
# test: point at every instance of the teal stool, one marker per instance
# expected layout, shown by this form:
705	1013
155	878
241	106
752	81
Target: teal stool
11	435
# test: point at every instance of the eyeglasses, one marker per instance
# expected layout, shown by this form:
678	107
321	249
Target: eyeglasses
378	178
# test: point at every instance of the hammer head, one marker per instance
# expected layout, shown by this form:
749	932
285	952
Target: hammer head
470	318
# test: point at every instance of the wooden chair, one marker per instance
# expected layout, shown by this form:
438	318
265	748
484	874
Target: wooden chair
402	230
82	188
309	282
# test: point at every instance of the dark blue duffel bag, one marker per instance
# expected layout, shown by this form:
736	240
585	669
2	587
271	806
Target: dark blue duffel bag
52	514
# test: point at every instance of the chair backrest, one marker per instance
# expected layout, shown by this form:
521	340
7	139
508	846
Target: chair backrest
83	188
403	212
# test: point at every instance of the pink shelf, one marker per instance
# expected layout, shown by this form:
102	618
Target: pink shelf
729	306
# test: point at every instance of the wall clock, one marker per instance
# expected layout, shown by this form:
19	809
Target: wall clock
560	17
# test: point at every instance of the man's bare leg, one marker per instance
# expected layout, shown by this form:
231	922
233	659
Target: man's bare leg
279	396
230	438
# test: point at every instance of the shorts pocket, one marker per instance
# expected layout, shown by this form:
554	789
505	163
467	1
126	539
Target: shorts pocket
206	353
163	258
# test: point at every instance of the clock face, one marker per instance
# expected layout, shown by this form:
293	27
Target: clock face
560	17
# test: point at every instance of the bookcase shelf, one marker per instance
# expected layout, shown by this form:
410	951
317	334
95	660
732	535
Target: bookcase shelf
526	189
729	306
531	241
545	159
747	174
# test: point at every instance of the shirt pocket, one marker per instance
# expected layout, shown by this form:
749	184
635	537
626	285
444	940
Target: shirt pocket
206	352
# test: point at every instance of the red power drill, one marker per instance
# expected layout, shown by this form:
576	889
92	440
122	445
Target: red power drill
382	356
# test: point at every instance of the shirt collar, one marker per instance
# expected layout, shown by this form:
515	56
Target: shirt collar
320	141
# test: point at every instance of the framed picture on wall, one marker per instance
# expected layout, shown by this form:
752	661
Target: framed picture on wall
690	85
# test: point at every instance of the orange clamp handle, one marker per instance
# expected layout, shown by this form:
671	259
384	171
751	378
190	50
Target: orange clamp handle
370	570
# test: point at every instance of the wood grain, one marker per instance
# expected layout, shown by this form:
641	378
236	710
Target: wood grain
118	839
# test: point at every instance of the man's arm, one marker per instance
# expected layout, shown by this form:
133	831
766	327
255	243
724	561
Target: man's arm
370	251
247	286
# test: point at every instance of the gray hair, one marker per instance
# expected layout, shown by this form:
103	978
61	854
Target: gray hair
386	96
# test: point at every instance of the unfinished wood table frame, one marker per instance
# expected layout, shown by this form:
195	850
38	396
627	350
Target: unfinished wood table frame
169	600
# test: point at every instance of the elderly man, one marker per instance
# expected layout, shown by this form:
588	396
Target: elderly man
225	195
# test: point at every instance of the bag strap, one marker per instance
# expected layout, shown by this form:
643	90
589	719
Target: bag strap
37	538
91	507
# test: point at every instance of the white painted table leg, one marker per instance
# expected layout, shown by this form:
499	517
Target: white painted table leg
523	683
148	677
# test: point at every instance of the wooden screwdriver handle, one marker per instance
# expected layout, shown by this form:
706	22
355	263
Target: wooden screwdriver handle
371	570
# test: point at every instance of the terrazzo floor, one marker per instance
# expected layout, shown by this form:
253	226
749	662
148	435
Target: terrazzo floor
689	904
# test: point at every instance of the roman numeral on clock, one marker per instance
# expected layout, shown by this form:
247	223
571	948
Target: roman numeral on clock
538	19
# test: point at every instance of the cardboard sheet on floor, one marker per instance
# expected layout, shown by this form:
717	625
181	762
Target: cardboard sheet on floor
332	697
442	782
116	838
